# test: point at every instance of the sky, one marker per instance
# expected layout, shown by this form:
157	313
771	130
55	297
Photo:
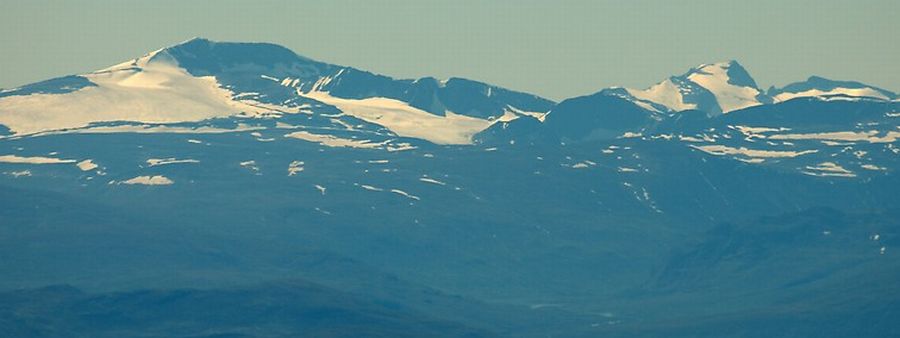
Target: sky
554	48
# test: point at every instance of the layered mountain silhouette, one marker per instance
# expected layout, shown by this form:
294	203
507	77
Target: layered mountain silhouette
220	189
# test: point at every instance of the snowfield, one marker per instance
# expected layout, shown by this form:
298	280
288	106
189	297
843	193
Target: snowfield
151	89
408	121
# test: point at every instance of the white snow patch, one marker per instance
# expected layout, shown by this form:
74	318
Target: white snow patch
148	129
17	174
32	160
153	162
342	124
405	120
282	125
403	193
750	131
828	169
269	78
149	180
403	146
508	116
720	150
86	165
369	187
665	93
333	141
873	167
752	160
872	136
295	167
263	109
250	165
690	139
540	116
854	92
431	180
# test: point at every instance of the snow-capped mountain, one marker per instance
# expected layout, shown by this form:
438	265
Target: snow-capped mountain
716	88
456	203
201	79
724	87
817	86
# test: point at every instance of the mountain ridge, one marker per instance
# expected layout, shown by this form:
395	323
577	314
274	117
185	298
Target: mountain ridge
255	79
715	88
179	197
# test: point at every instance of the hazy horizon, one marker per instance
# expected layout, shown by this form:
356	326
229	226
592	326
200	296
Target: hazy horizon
553	49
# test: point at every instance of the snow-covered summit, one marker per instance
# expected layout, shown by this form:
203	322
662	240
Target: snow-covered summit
153	88
715	88
817	86
200	79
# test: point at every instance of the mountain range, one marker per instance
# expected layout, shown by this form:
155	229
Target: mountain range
175	193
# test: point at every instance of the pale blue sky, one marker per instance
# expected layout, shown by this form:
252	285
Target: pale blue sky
555	48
